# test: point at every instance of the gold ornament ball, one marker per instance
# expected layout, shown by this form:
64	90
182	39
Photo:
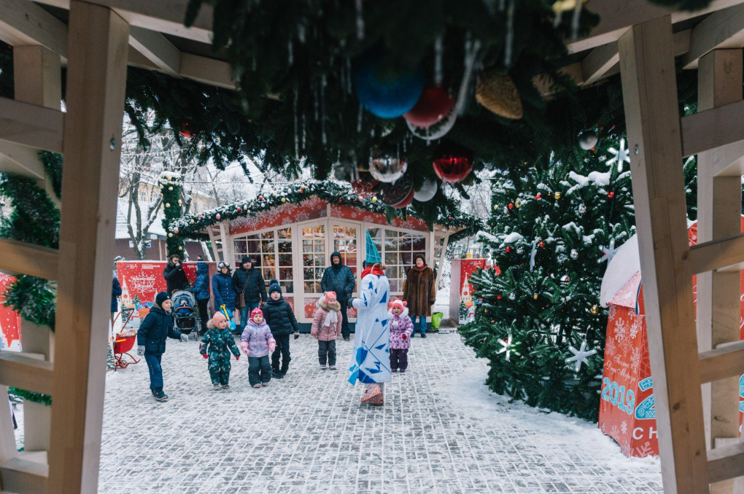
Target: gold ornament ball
557	195
180	248
180	202
594	310
167	204
170	187
191	222
170	234
496	207
284	199
517	203
374	199
535	296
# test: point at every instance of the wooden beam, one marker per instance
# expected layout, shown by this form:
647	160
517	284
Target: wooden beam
722	362
25	372
23	23
156	48
164	16
96	80
616	17
713	128
599	61
717	254
31	125
24	477
726	462
37	72
24	258
722	29
207	70
650	101
21	160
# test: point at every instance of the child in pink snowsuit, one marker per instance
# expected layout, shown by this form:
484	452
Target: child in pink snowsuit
256	342
401	328
326	328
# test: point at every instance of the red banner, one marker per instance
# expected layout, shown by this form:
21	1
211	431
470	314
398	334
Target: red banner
142	280
467	298
10	321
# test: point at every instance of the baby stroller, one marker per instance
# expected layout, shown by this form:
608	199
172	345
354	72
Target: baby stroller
185	312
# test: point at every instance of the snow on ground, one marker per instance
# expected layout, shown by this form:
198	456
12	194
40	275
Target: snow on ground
440	431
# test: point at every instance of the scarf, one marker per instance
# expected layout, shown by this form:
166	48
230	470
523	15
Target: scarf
330	318
372	269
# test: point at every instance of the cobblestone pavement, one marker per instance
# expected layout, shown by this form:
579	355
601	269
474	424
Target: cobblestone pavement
440	431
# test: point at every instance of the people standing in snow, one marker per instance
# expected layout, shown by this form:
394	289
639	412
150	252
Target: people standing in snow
338	278
222	288
248	282
216	345
370	362
151	336
115	294
257	342
401	328
174	275
282	322
419	291
201	292
326	328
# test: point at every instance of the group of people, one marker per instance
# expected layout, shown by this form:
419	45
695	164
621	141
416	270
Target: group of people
383	330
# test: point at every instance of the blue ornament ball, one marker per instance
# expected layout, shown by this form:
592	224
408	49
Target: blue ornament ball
385	94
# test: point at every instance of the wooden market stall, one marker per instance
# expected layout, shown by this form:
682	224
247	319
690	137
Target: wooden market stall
291	240
692	367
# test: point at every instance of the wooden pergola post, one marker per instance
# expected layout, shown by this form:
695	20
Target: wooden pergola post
719	216
96	81
650	101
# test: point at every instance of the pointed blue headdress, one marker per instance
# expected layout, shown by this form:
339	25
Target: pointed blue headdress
373	255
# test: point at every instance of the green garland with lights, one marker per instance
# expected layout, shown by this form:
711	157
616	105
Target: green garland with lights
171	188
446	212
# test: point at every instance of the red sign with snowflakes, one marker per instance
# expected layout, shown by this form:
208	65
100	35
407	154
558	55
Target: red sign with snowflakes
144	279
10	321
467	299
627	412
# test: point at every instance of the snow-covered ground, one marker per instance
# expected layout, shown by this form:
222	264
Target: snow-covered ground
440	431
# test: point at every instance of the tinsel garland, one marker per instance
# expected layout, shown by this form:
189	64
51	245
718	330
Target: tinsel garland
446	213
39	398
171	188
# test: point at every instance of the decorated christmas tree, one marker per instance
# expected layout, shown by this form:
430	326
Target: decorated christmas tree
553	230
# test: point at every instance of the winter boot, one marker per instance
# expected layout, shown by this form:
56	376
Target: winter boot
265	384
159	395
333	367
423	335
257	385
277	375
225	386
323	367
215	386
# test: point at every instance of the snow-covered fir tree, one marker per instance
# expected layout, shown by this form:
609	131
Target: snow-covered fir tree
552	231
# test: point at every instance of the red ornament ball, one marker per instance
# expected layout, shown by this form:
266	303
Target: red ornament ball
542	245
260	198
340	201
538	196
187	131
508	249
239	210
498	297
511	205
175	230
201	217
611	195
453	163
218	216
432	106
449	218
302	191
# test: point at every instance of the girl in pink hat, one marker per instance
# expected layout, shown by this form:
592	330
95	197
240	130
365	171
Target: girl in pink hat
401	328
257	342
327	322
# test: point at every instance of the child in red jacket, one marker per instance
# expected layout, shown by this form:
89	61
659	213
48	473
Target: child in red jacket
326	328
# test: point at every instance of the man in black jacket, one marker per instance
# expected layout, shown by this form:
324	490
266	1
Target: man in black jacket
174	275
248	280
339	278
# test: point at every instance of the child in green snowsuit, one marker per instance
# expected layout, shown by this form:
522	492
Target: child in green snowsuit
220	343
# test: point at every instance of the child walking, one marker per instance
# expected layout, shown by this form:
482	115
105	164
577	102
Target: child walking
216	345
256	342
151	336
401	328
282	321
327	322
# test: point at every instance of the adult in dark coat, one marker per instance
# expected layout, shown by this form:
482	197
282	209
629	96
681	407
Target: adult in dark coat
222	288
248	280
115	294
281	320
338	278
201	293
174	275
151	336
419	292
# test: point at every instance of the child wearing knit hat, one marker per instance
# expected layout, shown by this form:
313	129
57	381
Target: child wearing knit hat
216	346
401	328
257	342
282	321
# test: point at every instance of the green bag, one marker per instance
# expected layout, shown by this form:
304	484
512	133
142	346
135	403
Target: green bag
436	320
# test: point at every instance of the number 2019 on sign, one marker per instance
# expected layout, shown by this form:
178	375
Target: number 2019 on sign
617	396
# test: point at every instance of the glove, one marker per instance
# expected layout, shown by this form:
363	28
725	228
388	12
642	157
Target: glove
296	335
184	338
205	355
431	302
237	357
141	350
404	336
244	347
272	345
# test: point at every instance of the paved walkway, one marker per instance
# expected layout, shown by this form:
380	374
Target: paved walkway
440	431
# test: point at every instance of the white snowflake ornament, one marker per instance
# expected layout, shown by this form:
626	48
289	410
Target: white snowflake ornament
609	252
580	356
507	347
620	156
